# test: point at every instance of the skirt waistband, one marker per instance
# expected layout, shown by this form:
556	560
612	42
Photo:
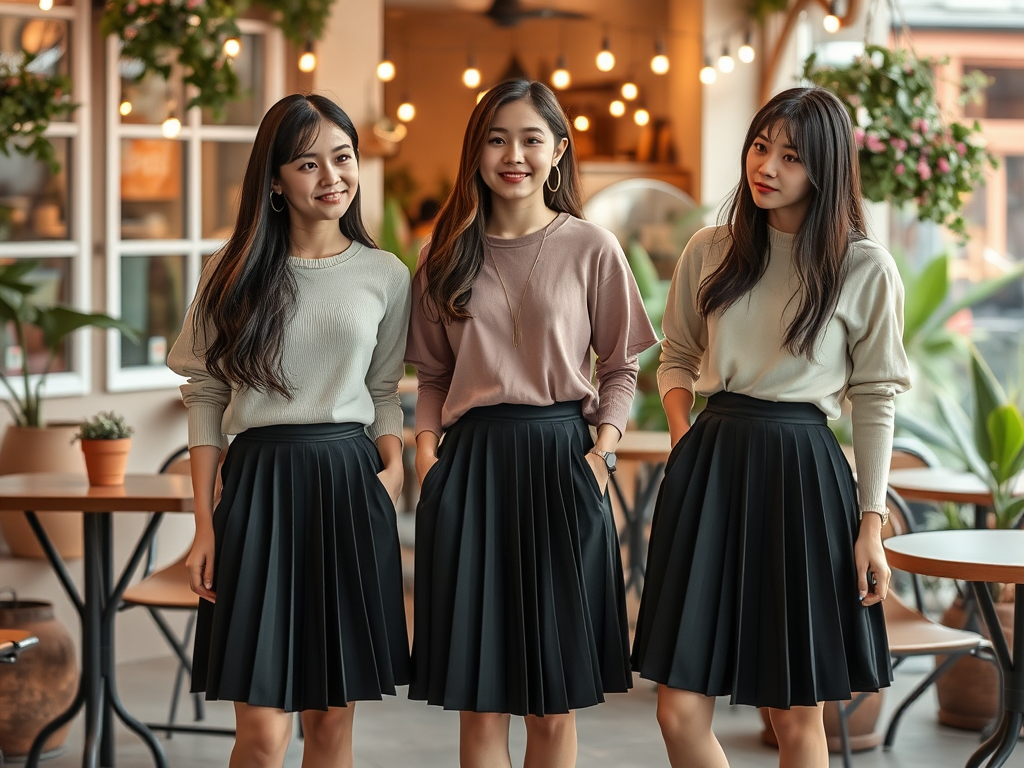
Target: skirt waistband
567	411
305	433
734	404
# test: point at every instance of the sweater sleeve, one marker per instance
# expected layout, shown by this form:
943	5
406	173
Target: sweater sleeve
429	351
386	366
620	331
880	372
684	328
205	397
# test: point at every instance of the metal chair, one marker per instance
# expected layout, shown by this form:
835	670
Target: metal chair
13	642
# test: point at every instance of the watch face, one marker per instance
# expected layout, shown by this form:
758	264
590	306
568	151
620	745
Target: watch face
609	461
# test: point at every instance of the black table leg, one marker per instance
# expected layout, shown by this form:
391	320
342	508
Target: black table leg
106	536
638	516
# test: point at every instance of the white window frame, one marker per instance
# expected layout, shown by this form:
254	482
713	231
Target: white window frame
77	380
193	245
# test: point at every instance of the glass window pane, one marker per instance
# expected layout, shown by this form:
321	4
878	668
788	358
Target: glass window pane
152	99
34	202
1015	208
47	39
249	64
54	280
153	301
152	198
1003	99
223	167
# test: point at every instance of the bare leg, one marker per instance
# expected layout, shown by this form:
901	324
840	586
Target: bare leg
801	734
685	720
550	741
261	737
483	740
327	737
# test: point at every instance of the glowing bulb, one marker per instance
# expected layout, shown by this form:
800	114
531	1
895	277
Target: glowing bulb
581	123
831	23
708	75
386	71
617	108
471	77
406	111
560	78
307	61
170	127
726	63
659	64
606	60
630	91
746	53
641	117
232	47
125	109
45	5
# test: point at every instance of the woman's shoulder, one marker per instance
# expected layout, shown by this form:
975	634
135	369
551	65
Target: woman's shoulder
592	234
870	261
386	264
708	245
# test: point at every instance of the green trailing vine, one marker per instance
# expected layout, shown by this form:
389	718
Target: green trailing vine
759	9
29	102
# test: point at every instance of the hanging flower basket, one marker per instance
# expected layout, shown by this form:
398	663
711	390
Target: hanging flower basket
908	153
29	101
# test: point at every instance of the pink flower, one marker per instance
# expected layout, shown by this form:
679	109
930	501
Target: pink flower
874	143
858	135
900	144
961	148
854	100
193	4
900	169
916	140
129	33
143	2
924	171
943	165
130	9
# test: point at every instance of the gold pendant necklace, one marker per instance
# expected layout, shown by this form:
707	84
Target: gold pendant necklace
516	334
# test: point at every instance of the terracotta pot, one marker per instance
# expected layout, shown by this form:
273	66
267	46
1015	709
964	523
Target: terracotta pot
861	725
969	691
40	684
106	460
47	449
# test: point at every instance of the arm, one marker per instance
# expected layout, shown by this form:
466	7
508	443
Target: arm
426	453
685	341
204	462
393	475
678	403
607	439
386	369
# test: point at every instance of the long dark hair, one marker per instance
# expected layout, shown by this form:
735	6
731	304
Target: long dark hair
251	291
456	254
819	127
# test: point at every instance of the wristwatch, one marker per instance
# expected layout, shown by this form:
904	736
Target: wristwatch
884	514
609	459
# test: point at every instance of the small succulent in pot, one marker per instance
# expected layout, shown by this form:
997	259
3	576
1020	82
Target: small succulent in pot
105	425
106	440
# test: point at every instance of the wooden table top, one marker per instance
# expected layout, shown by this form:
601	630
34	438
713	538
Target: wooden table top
943	484
53	491
644	446
970	555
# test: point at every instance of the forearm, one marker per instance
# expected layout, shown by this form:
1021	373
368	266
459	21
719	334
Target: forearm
204	460
390	449
607	438
678	403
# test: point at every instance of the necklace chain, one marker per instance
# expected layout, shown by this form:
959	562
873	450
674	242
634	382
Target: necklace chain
516	333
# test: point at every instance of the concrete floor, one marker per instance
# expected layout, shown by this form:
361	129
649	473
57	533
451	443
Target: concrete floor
397	733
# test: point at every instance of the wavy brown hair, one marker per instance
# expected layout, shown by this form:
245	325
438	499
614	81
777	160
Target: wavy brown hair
456	251
250	293
819	127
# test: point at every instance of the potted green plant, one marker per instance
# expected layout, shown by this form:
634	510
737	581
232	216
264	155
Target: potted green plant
106	440
29	102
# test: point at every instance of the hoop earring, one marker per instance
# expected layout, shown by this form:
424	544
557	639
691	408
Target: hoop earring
274	207
558	186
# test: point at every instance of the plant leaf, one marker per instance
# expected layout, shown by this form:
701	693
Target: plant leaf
927	431
960	427
988	396
1008	513
1006	434
924	296
57	322
976	293
644	271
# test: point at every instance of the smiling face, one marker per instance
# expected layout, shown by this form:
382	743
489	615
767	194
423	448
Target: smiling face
321	183
519	153
778	180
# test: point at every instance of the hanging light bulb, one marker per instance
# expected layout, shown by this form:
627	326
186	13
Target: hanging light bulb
125	108
561	78
617	108
171	127
471	76
659	63
45	5
406	111
581	123
606	59
630	91
307	61
386	69
708	74
832	22
232	47
725	61
746	52
641	117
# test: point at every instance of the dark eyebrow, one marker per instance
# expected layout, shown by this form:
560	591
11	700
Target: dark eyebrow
336	149
785	146
530	129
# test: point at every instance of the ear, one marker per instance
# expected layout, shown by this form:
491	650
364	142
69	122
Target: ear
559	151
275	186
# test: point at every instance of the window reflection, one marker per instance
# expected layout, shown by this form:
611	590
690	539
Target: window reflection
33	201
46	39
223	167
1003	99
249	65
152	203
54	280
153	301
151	100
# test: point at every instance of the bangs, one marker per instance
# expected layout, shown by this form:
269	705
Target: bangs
307	131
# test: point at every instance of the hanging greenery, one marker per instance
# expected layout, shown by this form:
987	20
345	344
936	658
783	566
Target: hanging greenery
759	9
29	102
909	154
191	33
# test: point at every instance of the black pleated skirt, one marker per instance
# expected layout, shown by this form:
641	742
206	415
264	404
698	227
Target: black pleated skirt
519	597
307	570
751	586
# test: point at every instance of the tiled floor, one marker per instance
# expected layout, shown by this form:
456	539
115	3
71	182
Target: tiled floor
622	733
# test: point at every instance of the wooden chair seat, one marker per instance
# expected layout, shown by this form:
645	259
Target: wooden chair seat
166	588
912	634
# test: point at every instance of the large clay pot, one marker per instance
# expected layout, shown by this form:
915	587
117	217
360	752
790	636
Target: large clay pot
861	725
40	684
969	691
47	449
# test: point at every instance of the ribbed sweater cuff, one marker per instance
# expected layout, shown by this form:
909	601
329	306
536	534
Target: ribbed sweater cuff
204	423
387	420
673	378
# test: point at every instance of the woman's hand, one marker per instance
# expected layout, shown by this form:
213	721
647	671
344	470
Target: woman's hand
200	564
424	461
869	556
392	477
600	470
